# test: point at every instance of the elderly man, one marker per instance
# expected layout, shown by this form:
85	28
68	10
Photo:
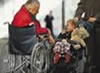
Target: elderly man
91	10
26	17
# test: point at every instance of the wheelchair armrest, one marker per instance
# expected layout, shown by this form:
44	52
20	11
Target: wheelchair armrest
73	42
42	36
7	23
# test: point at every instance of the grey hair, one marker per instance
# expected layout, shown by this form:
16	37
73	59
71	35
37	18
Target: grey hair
32	1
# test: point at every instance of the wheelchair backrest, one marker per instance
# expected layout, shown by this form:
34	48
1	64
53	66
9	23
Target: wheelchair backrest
21	40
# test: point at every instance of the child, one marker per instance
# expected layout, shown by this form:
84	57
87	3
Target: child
70	33
64	35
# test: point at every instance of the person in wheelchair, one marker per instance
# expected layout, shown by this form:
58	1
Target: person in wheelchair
26	17
73	38
24	31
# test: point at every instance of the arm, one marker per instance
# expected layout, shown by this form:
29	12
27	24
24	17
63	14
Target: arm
52	18
39	29
46	18
80	9
97	17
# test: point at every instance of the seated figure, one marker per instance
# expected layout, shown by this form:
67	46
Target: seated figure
72	33
20	30
26	17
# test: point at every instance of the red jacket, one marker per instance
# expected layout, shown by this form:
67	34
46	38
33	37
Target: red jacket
23	19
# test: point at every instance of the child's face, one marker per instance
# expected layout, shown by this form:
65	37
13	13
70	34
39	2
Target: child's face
69	26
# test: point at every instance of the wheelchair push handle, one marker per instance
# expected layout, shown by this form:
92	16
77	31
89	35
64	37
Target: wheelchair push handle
6	23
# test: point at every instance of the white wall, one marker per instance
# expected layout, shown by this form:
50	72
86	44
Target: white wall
7	11
70	8
56	11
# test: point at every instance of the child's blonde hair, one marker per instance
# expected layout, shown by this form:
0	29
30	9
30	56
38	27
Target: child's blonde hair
72	22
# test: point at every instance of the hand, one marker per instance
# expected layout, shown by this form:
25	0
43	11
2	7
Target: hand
51	40
92	19
49	32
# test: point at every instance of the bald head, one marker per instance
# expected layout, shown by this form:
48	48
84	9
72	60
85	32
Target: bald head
33	6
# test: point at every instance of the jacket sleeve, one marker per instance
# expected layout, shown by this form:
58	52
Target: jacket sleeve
80	9
40	30
98	17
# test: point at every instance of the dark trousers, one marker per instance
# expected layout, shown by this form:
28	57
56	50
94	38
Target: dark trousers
93	44
97	46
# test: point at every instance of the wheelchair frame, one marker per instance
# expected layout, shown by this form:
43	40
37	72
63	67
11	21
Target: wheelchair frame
38	62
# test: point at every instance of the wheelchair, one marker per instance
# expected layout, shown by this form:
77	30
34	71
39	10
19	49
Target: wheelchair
31	52
75	56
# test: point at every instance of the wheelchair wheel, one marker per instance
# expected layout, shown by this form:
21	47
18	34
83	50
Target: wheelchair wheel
39	59
5	59
17	64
